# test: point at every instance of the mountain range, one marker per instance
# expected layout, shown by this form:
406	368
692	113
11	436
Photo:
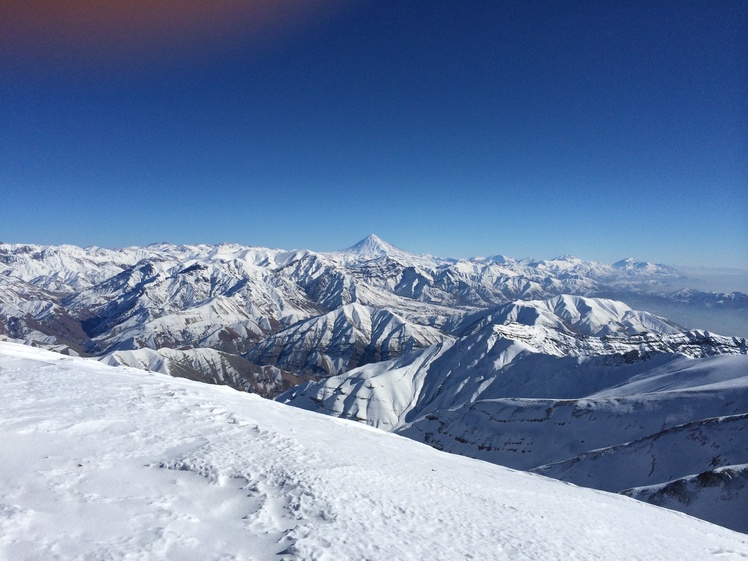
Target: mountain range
535	365
229	297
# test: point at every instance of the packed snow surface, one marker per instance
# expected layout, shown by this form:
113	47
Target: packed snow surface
116	463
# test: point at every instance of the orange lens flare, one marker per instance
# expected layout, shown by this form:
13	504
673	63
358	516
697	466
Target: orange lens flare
105	27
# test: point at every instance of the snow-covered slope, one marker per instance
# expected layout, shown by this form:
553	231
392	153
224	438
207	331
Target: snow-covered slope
486	366
222	303
529	432
666	455
718	495
522	350
124	464
343	339
33	314
576	315
566	382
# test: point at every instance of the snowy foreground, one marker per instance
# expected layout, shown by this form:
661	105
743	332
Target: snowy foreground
101	463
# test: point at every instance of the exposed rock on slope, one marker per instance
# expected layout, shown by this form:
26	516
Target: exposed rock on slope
341	340
717	495
210	366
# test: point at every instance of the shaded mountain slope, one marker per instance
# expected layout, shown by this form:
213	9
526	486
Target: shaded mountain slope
717	494
209	366
341	340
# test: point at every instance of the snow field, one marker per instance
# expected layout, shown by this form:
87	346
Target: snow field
118	464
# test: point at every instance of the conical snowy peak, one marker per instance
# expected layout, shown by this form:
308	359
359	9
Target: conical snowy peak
627	263
371	247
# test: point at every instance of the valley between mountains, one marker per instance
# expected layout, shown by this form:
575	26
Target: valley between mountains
541	366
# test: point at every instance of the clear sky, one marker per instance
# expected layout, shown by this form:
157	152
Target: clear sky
599	129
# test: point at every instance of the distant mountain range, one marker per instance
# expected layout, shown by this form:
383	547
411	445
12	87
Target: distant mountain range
229	297
538	365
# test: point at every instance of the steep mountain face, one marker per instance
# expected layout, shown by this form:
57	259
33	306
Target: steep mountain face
33	314
209	366
341	340
226	304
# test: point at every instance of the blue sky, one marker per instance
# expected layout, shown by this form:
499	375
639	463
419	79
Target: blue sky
599	129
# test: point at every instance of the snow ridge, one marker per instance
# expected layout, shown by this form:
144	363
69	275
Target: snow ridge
229	297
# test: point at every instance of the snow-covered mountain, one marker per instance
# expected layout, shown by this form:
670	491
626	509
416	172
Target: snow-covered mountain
519	351
229	297
117	463
340	340
631	265
209	366
372	248
573	315
697	495
572	382
520	362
